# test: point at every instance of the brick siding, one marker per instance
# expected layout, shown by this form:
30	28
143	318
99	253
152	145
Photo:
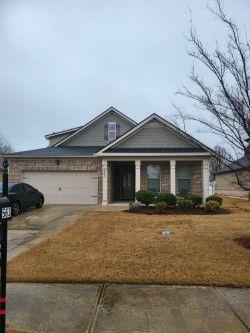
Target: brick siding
165	174
227	184
196	176
18	166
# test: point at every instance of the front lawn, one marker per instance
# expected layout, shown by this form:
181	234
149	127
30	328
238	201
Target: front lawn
121	247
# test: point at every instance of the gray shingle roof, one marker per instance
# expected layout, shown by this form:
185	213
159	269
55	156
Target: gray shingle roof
58	152
242	163
156	150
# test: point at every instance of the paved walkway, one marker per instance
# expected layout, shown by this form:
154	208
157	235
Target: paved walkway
127	308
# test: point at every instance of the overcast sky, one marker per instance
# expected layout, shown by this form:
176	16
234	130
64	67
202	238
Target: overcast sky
62	62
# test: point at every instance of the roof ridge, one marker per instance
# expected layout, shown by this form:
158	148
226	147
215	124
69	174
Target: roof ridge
111	108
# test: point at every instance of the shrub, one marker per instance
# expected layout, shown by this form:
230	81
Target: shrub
196	199
145	197
169	198
214	198
133	206
161	207
212	206
184	204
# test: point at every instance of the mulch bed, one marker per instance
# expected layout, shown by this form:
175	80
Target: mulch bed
173	211
243	241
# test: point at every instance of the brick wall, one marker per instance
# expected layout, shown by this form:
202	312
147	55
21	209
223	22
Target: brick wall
18	166
197	182
109	182
196	175
165	174
226	184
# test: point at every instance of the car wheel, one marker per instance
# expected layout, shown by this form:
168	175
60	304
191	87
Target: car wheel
40	203
16	208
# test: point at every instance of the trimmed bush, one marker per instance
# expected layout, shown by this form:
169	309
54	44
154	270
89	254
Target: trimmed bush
184	204
214	198
161	207
169	198
212	206
133	206
145	197
196	199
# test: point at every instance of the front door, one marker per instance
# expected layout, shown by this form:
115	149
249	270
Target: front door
123	182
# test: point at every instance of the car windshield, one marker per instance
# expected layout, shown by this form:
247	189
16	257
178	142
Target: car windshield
1	187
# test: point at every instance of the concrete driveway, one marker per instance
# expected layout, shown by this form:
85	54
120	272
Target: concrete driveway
33	225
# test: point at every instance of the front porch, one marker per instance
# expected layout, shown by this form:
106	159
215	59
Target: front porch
121	178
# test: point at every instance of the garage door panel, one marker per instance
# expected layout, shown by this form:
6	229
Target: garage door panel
64	187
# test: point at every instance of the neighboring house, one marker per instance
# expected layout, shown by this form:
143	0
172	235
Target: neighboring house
226	182
111	157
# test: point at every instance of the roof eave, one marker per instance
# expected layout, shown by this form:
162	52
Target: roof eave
51	135
52	157
100	154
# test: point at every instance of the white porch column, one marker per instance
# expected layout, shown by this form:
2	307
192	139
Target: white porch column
172	176
104	182
205	178
137	175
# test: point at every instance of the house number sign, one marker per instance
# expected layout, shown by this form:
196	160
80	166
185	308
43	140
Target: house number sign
6	212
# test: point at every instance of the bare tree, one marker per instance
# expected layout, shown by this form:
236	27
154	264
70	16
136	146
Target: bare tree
222	107
5	146
220	160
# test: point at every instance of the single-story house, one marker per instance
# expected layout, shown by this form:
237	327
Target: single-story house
226	182
111	157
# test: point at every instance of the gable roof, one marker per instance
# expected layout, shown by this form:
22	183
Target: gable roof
111	147
241	163
82	128
70	130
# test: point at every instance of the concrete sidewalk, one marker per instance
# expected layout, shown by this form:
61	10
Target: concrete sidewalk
127	308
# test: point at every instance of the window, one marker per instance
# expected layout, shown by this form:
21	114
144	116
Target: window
154	178
111	131
183	180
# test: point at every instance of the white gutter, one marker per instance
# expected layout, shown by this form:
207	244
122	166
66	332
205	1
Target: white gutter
152	154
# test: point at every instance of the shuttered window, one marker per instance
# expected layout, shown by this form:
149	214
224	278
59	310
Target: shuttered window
112	131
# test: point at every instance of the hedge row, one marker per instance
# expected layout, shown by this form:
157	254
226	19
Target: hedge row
164	200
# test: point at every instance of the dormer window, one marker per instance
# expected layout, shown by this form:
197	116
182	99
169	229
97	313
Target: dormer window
112	129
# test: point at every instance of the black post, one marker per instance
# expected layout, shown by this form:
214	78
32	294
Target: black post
5	178
3	254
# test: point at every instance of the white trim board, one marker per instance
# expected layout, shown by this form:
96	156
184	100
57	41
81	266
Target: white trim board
152	154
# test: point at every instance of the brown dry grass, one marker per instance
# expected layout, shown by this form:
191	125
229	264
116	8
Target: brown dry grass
120	247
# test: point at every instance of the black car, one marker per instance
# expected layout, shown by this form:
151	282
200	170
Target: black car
23	196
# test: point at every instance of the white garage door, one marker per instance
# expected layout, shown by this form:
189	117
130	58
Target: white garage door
64	187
